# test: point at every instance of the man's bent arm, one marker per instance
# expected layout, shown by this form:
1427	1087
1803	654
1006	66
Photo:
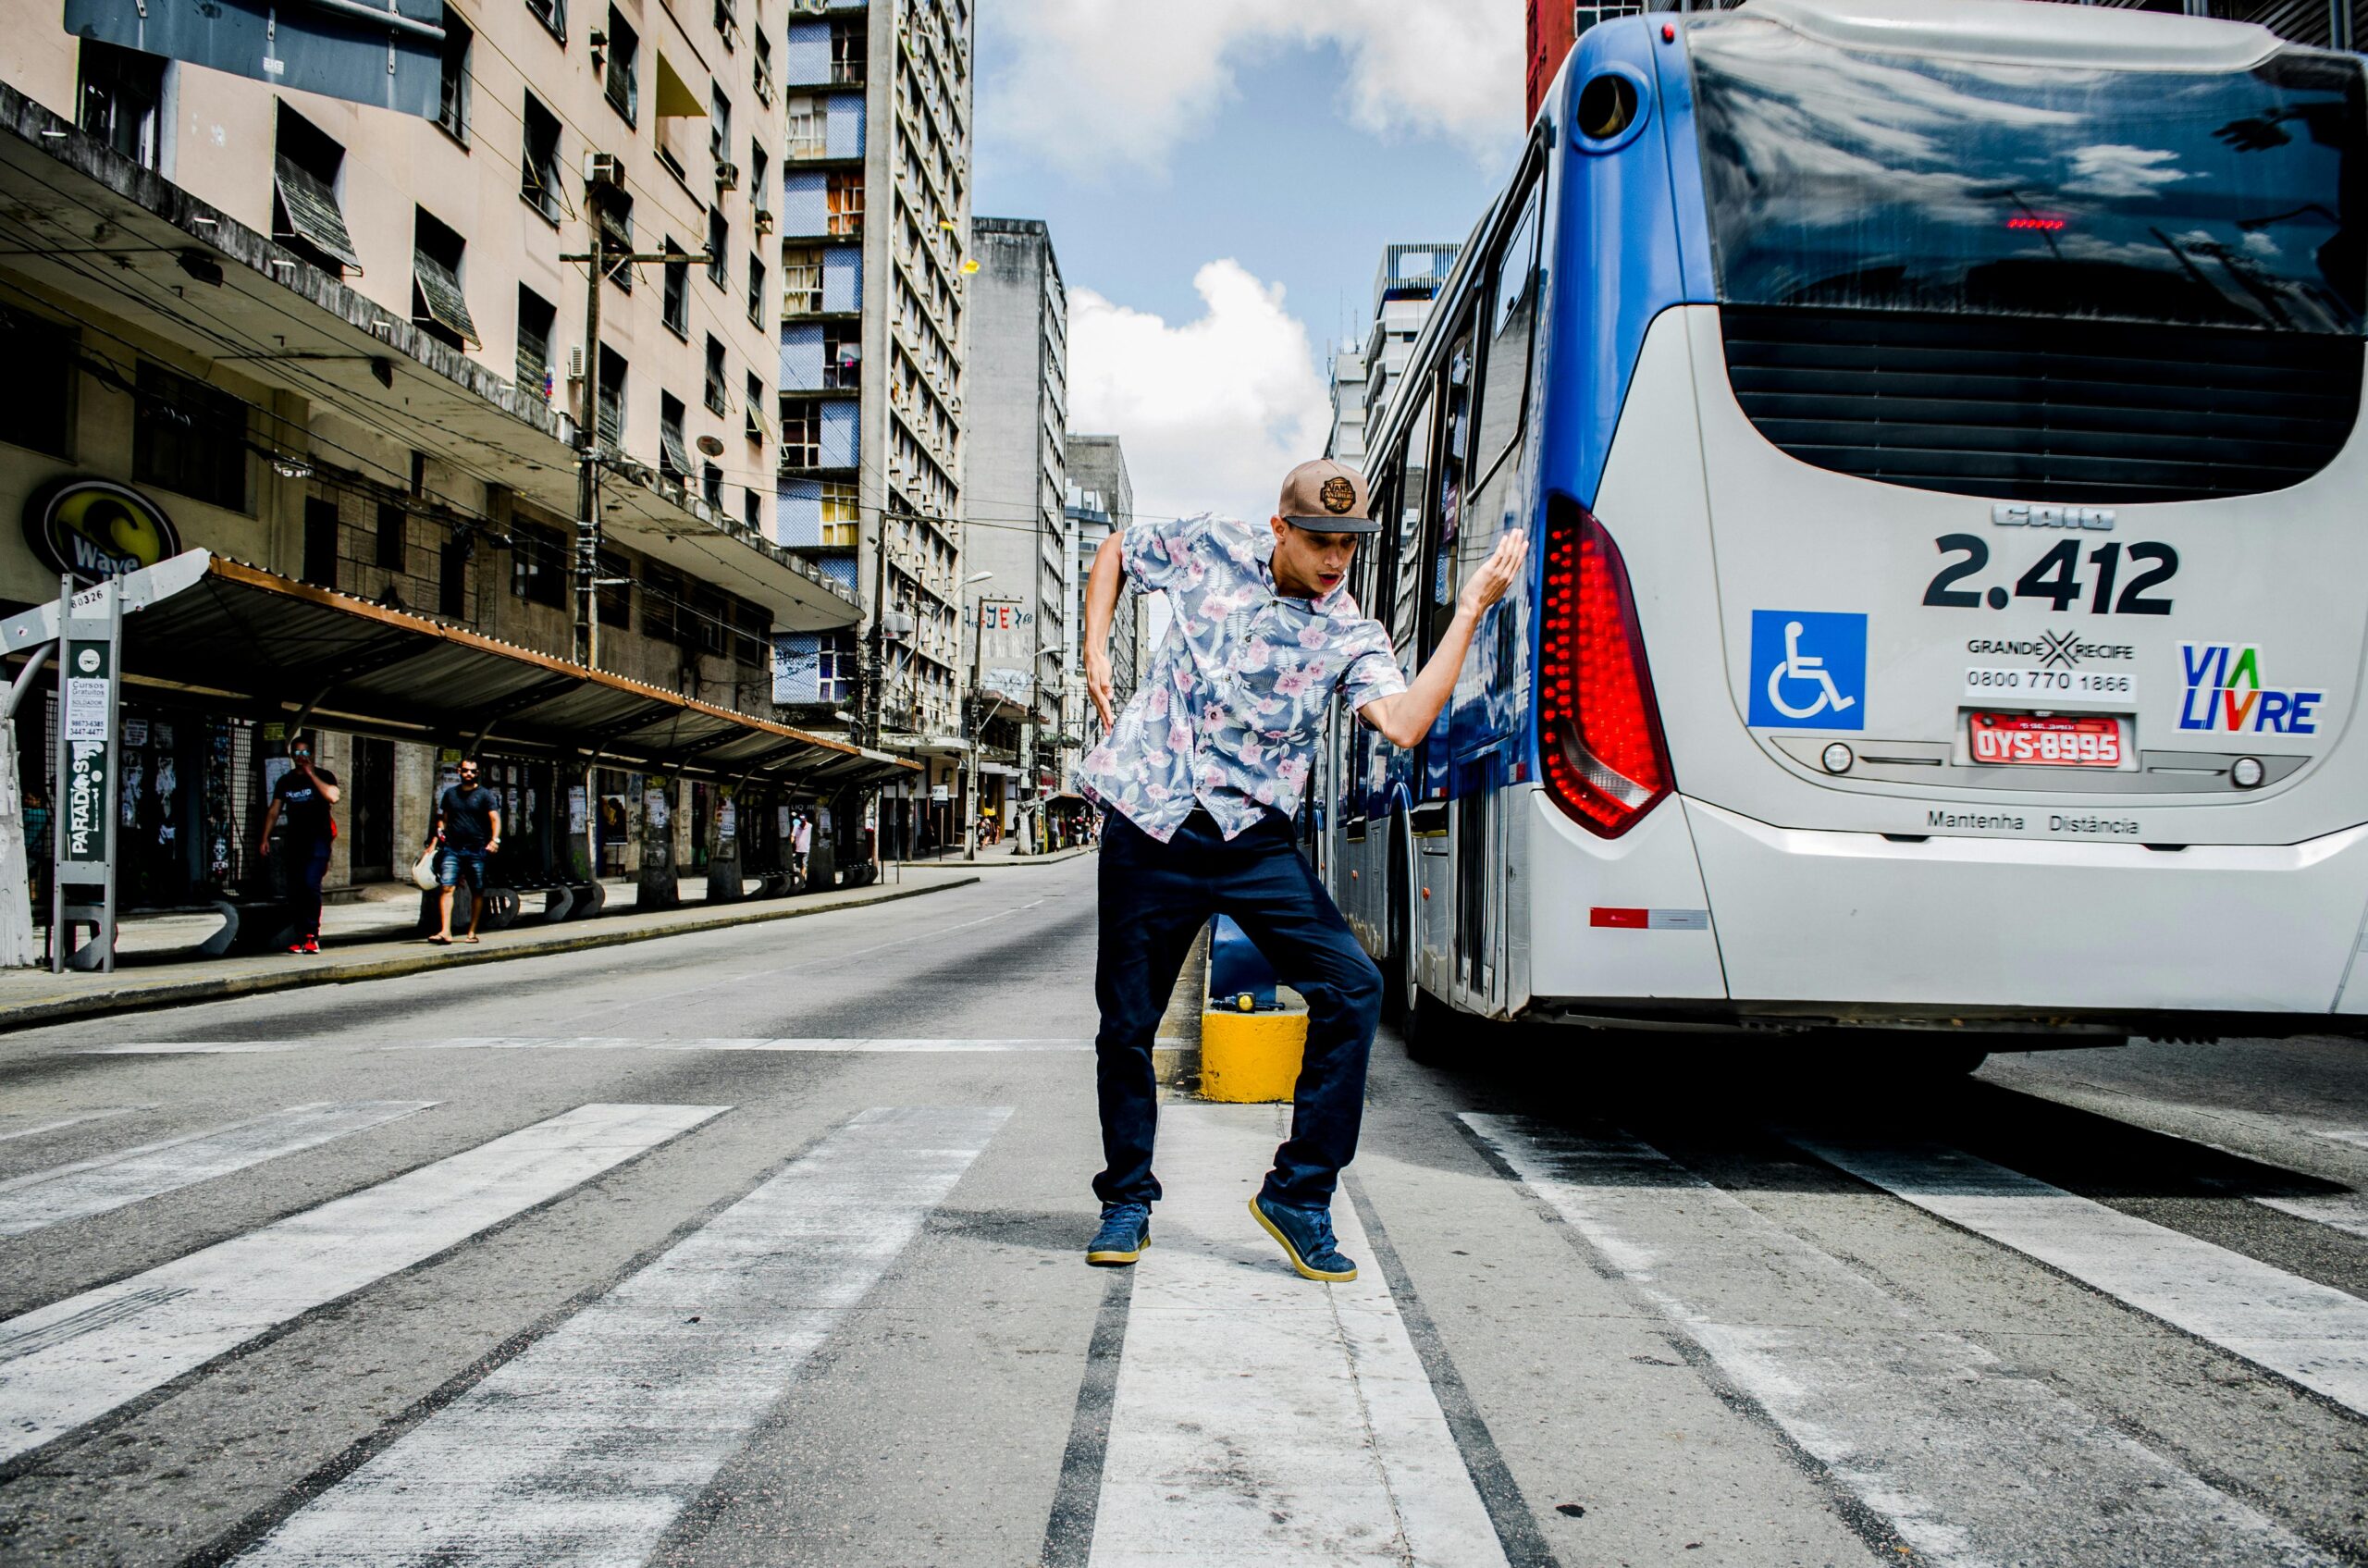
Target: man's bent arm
1405	718
1103	586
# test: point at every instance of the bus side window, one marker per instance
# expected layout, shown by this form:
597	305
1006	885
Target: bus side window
1366	583
1513	288
1448	508
1406	558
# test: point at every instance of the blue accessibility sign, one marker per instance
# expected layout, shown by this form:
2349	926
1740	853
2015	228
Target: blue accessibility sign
1808	670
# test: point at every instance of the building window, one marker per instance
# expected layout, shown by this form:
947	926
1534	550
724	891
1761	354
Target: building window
764	72
676	310
452	102
711	484
835	667
536	315
801	435
614	595
612	399
842	359
752	510
616	235
752	633
539	165
842	517
760	170
719	248
756	409
844	195
37	395
710	627
537	565
674	458
624	57
393	538
727	22
553	14
438	307
304	215
320	564
810	129
801	281
716	377
190	437
756	290
719	125
848	43
661	604
123	91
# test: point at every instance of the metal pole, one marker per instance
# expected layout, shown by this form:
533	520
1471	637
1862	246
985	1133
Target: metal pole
588	461
57	934
971	757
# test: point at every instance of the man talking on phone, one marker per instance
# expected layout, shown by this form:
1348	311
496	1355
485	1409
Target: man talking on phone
1199	778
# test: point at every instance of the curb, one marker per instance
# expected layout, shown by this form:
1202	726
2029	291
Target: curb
999	861
217	988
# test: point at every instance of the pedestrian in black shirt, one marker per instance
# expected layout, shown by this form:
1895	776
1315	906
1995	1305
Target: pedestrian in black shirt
302	800
468	829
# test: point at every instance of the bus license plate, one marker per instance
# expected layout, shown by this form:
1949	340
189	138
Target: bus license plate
2027	740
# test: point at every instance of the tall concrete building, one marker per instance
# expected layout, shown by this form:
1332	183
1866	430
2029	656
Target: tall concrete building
348	350
1347	442
1409	279
875	266
1017	528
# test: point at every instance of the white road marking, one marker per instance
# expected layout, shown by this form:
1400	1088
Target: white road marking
856	1044
193	1047
2298	1328
9	1131
74	1360
2355	1136
1973	1465
2344	1211
584	1448
1261	1418
111	1182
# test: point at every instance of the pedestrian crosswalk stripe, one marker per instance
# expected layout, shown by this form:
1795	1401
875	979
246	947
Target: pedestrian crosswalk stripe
1968	1462
110	1181
1261	1418
852	1044
587	1445
140	1333
2343	1211
34	1125
2313	1334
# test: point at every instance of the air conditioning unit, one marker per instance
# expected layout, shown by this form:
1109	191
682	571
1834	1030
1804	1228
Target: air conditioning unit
727	177
575	365
604	169
764	221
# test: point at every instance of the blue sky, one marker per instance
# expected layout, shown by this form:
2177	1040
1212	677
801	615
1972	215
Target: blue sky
1219	181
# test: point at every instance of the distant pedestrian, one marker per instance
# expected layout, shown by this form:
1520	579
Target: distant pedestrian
801	844
467	830
1200	777
302	800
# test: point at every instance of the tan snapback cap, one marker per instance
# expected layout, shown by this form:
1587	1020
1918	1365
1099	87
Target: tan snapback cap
1325	497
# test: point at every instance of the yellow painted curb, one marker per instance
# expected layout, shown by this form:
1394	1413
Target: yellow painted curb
1251	1058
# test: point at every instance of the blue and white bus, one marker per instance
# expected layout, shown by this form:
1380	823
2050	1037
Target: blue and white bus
1940	423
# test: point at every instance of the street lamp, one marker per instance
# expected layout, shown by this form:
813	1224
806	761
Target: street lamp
971	726
1028	766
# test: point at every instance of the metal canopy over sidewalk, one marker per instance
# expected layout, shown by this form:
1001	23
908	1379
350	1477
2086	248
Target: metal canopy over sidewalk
286	651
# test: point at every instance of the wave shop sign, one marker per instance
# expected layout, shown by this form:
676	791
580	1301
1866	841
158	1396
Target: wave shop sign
95	529
2225	693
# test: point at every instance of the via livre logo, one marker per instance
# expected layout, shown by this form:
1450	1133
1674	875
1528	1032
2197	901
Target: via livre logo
2223	692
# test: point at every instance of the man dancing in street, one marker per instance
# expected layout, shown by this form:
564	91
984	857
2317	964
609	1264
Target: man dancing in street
1199	778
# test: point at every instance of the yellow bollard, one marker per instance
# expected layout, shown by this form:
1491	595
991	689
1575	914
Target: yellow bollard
1251	1058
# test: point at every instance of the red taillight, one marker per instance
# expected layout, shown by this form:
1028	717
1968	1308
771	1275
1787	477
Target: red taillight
1598	729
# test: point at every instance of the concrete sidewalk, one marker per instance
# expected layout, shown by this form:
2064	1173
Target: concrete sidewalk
1001	855
373	940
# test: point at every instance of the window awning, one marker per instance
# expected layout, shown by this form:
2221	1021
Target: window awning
675	98
440	296
245	641
312	212
670	441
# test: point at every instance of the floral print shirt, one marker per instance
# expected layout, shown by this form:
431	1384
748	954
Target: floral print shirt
1228	714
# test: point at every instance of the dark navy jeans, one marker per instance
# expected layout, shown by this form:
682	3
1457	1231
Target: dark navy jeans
1155	897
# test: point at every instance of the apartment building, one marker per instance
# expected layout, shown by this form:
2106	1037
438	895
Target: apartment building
1347	442
1410	277
348	350
875	257
1101	502
1018	528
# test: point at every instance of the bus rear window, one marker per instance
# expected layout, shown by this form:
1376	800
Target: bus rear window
1894	183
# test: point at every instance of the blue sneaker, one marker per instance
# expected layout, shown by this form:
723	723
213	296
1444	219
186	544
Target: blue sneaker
1306	1236
1126	1232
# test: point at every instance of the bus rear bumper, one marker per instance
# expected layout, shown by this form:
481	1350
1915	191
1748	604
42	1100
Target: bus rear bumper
2014	925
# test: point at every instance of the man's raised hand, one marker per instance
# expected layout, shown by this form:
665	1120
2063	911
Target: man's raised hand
1496	576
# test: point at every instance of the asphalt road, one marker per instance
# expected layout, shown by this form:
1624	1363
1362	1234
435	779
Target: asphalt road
763	1247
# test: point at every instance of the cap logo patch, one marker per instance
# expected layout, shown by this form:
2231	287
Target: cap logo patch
1338	495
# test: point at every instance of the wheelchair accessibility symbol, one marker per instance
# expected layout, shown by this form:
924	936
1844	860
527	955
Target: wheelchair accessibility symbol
1808	670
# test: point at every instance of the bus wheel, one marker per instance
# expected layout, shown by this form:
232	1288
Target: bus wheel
1426	1026
1423	1022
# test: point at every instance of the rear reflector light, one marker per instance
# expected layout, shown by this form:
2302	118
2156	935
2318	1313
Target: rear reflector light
1628	920
1599	730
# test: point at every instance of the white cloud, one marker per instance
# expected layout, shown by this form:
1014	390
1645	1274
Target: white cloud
1214	412
1098	84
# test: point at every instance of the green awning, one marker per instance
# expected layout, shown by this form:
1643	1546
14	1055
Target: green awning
312	211
439	297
